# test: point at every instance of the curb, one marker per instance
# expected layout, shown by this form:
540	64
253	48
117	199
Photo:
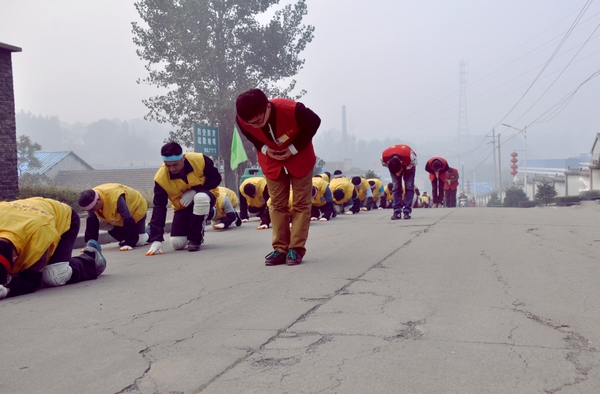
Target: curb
105	238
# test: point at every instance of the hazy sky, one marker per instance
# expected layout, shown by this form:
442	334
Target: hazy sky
394	64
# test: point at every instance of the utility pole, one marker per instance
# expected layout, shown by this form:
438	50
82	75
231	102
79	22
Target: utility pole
494	150
500	169
463	127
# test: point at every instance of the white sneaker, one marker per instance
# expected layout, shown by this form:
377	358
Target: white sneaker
219	226
349	213
322	220
313	219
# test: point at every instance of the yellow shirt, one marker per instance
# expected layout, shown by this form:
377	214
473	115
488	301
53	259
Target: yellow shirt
110	193
33	226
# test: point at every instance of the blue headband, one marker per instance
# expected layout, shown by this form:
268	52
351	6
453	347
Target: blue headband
173	158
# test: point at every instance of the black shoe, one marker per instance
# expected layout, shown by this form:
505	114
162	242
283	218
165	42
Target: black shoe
275	258
406	216
397	216
293	257
238	220
193	246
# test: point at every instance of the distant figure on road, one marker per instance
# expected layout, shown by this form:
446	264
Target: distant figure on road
401	161
37	236
254	194
190	182
322	200
378	191
281	130
451	187
118	209
344	195
437	168
225	213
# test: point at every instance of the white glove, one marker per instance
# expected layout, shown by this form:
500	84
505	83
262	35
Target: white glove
156	248
3	292
125	248
187	198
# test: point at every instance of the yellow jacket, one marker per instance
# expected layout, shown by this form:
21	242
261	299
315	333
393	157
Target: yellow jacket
377	193
342	183
110	193
362	192
223	191
321	184
259	183
176	187
33	226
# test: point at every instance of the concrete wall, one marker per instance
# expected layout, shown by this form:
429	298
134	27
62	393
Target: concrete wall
8	135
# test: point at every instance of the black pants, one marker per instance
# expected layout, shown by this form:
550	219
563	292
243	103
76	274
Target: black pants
437	191
83	266
451	198
129	236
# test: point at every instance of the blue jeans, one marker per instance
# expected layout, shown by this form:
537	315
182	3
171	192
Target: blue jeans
409	191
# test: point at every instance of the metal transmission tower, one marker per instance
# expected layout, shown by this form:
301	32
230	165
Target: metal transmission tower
463	127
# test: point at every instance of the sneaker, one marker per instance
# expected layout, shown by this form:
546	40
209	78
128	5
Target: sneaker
293	257
274	258
406	216
193	246
219	226
349	213
397	216
313	219
238	220
93	247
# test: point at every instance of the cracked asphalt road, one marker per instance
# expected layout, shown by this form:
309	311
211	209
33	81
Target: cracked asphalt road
465	300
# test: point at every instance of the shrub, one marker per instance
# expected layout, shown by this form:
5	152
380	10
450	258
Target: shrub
514	195
67	196
590	194
567	200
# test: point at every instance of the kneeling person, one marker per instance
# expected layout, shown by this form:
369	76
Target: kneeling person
190	182
225	213
122	211
37	236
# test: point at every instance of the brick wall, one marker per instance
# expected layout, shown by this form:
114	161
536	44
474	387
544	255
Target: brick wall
8	130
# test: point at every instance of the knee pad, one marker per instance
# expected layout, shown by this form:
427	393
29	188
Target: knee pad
57	274
142	239
201	204
178	242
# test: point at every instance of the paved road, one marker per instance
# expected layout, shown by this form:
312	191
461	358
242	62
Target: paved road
455	300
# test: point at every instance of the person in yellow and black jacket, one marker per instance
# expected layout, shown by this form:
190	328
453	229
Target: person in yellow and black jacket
322	199
122	211
254	195
281	130
190	182
388	200
37	236
378	190
225	213
344	195
363	192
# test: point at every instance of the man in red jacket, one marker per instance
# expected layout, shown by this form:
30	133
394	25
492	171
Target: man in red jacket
281	130
401	160
437	167
451	186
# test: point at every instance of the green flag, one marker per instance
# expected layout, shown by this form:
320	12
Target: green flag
238	153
